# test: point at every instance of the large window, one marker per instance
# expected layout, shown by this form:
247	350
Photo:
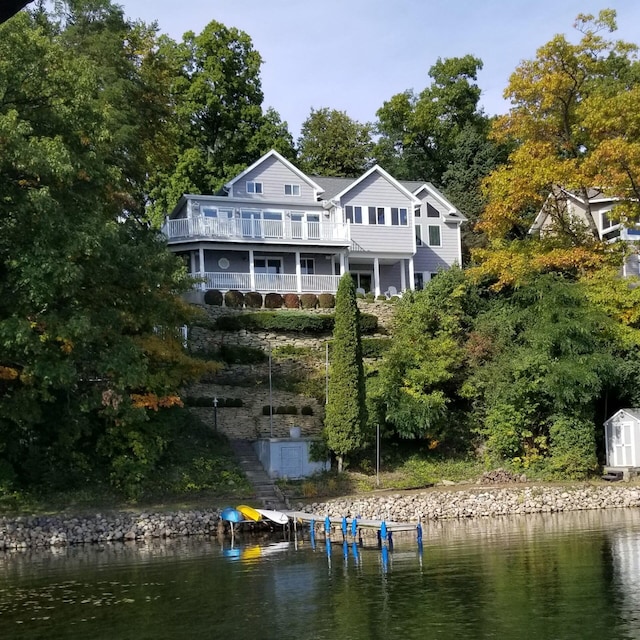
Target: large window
267	265
398	216
434	236
353	214
254	187
291	189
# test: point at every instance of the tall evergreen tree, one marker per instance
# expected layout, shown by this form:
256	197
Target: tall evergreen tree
345	417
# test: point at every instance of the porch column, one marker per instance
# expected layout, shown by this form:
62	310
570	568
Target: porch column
252	271
298	273
342	263
412	279
376	276
203	286
403	275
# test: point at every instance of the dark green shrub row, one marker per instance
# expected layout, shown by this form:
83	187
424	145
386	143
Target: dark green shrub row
254	300
206	401
291	322
288	410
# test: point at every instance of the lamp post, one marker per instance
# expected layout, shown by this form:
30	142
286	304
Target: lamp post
215	413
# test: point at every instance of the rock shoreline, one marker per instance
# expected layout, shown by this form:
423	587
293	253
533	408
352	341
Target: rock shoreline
26	532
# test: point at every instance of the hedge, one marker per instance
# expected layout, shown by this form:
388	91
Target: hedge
326	301
292	300
233	298
290	322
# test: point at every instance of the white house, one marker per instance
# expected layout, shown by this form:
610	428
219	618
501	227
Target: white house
275	229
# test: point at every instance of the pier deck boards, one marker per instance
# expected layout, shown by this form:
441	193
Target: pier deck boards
303	516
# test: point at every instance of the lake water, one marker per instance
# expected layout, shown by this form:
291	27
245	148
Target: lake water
555	576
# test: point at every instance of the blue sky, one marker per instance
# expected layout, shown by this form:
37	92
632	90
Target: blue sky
352	55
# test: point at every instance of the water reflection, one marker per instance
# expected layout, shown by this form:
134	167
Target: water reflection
543	576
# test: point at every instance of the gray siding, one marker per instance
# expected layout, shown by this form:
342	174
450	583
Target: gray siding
433	258
381	239
239	261
274	175
376	191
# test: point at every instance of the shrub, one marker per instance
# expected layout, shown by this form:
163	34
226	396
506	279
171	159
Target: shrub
234	299
253	300
213	297
326	301
241	354
573	447
291	300
369	297
273	301
382	298
368	323
360	296
308	300
306	410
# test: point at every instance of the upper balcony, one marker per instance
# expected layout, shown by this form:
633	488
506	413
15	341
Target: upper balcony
268	227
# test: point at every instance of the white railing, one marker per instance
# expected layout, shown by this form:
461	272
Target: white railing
257	229
271	282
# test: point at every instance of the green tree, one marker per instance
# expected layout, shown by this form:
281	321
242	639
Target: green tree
423	369
218	124
548	359
85	290
418	132
345	419
332	144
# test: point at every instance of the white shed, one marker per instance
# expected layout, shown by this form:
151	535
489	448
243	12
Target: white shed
622	439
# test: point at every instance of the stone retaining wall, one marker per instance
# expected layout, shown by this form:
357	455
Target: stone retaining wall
45	531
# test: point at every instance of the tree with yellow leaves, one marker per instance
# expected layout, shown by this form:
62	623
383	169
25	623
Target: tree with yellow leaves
576	125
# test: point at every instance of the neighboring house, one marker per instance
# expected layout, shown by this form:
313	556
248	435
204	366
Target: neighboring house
569	209
275	229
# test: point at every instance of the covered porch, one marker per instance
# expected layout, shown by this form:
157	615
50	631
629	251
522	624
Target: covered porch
274	271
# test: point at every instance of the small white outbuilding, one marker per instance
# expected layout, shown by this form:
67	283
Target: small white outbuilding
622	439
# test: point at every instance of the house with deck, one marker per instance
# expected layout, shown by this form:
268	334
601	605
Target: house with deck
275	229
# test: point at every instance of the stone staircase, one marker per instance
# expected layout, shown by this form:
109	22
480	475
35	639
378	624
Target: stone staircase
267	494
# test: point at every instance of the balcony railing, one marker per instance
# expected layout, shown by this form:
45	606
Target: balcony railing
239	229
271	282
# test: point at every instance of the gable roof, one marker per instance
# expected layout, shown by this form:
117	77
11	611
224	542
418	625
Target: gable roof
274	154
379	170
634	413
452	212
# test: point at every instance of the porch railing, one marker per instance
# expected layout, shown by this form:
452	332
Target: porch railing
301	231
271	282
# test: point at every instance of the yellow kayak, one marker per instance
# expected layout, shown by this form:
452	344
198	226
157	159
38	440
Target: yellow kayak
249	512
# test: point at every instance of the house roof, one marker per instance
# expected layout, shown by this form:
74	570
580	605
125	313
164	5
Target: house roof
385	175
633	412
452	212
273	153
331	185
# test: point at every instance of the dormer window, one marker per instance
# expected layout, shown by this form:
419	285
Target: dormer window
254	187
291	189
